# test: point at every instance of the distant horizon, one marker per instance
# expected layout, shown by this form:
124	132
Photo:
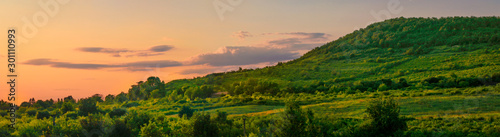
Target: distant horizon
82	48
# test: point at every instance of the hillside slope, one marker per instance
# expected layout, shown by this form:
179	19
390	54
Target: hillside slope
411	52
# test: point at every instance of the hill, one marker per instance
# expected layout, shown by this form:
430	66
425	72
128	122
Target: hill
414	50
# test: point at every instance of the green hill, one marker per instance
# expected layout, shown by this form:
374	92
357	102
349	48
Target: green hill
415	50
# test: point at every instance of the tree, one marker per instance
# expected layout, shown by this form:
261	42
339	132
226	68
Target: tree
135	120
185	110
110	98
69	99
295	122
25	104
120	129
151	130
117	112
384	116
97	98
383	87
67	106
43	114
31	112
156	93
203	127
41	104
87	106
94	125
122	97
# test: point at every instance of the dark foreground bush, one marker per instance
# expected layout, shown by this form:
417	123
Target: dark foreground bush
384	117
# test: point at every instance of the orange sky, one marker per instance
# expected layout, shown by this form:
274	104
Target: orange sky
81	48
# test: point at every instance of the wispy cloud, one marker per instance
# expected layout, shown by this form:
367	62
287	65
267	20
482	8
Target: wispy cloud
241	35
160	48
205	70
132	66
115	52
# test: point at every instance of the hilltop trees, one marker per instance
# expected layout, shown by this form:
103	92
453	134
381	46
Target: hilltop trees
252	85
69	99
144	90
67	106
87	106
203	91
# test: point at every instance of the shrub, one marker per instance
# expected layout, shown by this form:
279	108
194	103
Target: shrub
131	104
67	106
152	130
296	122
135	120
42	114
463	84
384	116
495	77
67	127
185	110
31	112
72	115
203	127
87	106
383	87
120	129
117	112
35	128
94	124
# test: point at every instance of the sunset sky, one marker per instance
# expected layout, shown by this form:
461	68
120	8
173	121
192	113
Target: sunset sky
81	48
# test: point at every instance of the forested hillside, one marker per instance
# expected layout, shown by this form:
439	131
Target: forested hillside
399	77
408	50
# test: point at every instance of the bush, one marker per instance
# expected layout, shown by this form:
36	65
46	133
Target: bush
67	106
383	87
95	124
117	112
87	106
495	77
135	120
67	127
42	114
185	110
296	122
131	104
384	116
120	129
72	115
203	127
151	130
35	128
31	112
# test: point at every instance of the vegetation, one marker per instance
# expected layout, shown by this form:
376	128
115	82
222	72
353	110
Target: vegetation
399	77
